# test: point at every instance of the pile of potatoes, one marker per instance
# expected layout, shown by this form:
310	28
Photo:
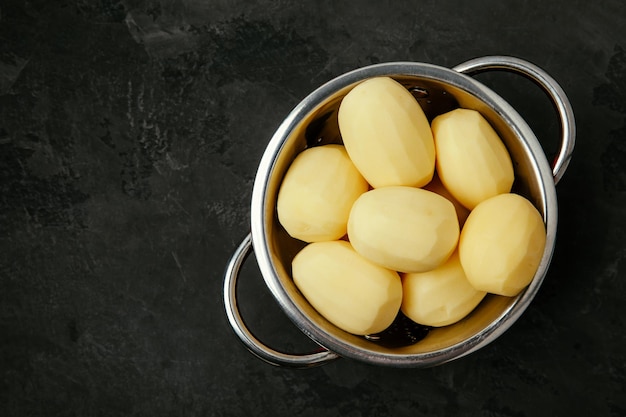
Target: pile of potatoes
407	215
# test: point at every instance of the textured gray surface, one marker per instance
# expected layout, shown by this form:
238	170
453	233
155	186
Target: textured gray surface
130	132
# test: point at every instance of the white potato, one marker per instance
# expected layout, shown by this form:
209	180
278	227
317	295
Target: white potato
403	228
439	297
348	290
502	244
317	193
386	134
472	161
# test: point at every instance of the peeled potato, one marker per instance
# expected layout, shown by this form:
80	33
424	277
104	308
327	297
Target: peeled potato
472	161
403	228
502	244
386	134
317	193
439	297
348	290
437	187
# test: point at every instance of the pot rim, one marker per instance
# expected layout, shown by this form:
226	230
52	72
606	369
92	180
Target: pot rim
260	226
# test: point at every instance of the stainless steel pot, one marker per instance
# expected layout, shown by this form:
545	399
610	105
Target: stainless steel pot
314	121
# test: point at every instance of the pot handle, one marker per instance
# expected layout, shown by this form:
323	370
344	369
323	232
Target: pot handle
550	87
258	348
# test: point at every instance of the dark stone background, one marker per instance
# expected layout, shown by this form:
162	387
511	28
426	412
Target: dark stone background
130	132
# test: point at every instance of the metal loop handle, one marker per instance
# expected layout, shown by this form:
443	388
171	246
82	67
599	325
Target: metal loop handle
269	355
549	85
